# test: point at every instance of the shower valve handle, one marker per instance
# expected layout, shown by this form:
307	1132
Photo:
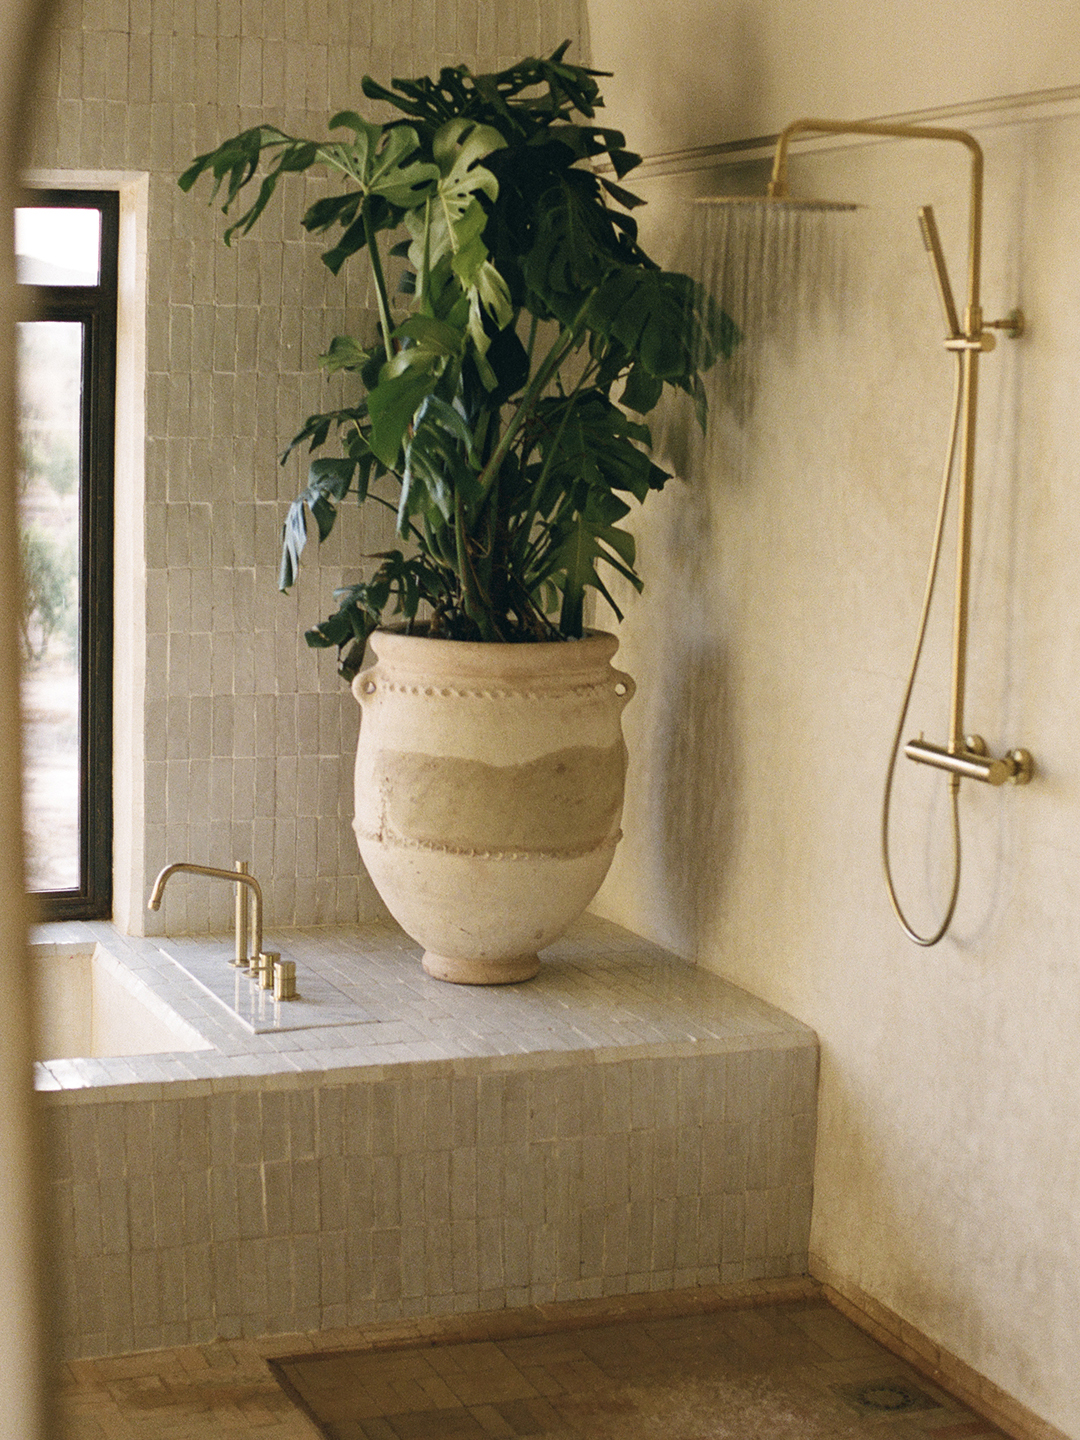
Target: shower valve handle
973	762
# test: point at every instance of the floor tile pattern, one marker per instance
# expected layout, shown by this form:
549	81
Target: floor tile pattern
790	1372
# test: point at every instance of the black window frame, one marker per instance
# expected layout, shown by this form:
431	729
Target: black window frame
95	306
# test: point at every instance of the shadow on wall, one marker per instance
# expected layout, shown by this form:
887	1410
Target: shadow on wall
782	275
695	785
645	47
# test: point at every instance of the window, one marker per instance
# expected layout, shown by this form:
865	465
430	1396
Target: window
66	255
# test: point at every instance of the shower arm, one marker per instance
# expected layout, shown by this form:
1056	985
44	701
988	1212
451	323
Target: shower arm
973	327
963	755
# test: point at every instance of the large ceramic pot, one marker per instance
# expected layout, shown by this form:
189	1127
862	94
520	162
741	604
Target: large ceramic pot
489	788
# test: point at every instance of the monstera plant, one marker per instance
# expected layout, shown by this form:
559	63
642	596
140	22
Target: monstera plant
499	409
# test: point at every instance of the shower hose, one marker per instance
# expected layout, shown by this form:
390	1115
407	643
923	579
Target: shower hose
954	780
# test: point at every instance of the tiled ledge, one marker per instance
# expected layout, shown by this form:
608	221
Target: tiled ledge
601	993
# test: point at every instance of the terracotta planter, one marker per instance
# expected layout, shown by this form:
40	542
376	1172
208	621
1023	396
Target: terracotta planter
489	788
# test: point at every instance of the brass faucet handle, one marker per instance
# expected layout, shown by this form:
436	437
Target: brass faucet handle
263	966
285	980
974	761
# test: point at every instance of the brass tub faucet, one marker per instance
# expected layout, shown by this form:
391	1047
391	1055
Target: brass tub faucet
242	880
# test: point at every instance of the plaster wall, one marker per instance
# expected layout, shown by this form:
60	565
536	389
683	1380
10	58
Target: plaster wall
783	581
705	71
234	738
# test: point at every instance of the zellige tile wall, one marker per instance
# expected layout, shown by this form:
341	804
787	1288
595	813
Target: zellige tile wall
623	1123
304	1203
248	733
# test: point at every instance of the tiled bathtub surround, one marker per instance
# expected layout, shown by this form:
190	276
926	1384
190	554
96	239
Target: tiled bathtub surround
625	1122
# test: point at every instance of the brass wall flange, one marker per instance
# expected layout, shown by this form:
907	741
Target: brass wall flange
1012	326
1025	766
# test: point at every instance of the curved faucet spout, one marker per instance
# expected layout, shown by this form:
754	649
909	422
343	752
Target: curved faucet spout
238	877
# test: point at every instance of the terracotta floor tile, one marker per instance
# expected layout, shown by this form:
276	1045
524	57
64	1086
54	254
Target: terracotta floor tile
529	1417
965	1428
438	1425
837	1337
786	1372
796	1372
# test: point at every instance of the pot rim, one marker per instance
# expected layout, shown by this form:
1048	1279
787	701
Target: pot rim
421	655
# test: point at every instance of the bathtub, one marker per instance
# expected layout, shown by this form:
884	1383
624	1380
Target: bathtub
88	1004
389	1146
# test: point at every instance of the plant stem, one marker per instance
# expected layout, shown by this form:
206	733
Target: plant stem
471	599
380	282
538	489
566	341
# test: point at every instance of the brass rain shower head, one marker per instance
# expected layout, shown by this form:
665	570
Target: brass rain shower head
771	202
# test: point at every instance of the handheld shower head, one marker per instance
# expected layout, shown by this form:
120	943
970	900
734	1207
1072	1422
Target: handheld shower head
932	241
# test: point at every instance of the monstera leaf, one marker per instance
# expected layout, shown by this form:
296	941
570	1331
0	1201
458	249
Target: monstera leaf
452	223
584	538
329	481
392	405
665	320
592	440
440	464
404	579
239	158
380	160
383	162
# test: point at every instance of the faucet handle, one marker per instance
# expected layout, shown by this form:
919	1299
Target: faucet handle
263	966
285	980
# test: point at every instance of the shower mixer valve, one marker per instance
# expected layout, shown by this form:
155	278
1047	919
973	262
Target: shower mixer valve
973	761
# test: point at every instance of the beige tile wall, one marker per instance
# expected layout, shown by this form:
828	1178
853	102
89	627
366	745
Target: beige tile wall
248	733
266	1204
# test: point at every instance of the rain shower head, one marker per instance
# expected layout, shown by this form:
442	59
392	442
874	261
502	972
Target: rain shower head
773	202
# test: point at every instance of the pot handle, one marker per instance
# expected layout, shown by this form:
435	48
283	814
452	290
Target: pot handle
624	685
363	685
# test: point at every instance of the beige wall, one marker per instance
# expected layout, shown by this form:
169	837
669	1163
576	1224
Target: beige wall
235	737
705	71
783	581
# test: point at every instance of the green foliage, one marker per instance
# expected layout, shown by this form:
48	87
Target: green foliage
48	576
499	403
55	462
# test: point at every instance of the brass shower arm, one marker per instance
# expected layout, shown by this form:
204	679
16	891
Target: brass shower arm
973	323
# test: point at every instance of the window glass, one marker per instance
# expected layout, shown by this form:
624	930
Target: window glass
50	423
57	246
66	245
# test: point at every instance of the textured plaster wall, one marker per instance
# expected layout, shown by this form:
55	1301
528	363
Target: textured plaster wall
241	735
783	581
756	64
